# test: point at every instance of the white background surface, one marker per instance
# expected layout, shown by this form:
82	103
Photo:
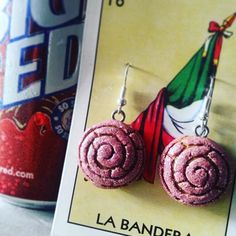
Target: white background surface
20	221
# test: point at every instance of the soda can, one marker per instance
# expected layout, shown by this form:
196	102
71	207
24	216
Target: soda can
40	44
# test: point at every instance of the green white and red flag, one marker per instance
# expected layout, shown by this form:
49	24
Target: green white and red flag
178	108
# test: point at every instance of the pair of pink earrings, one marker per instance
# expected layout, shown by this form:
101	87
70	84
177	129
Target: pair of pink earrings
193	170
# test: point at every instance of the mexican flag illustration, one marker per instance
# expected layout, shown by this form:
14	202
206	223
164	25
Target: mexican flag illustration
179	108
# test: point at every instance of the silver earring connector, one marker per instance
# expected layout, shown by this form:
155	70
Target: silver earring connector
122	101
202	130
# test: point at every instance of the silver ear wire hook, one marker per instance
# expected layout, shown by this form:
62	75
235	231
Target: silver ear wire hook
122	101
202	129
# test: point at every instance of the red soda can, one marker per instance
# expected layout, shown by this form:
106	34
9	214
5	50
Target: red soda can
40	44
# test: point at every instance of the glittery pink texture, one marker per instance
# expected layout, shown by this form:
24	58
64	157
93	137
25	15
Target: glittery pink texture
194	170
111	154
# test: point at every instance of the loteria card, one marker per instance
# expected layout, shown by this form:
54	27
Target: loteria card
161	75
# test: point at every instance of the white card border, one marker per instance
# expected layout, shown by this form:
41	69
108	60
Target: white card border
231	222
61	226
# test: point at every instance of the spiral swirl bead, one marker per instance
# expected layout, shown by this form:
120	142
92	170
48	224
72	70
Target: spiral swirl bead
194	170
111	154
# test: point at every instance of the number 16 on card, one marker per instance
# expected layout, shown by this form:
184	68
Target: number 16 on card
118	3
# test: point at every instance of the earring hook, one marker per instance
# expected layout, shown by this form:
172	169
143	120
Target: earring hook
202	129
122	101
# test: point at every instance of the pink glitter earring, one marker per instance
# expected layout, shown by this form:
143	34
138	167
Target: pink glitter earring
194	170
111	154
